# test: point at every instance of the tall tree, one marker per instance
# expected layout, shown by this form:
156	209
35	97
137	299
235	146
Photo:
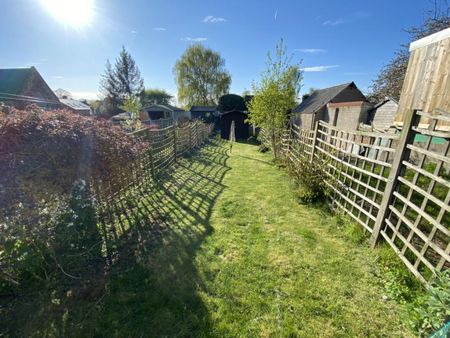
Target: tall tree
156	96
230	102
275	95
201	76
390	79
124	80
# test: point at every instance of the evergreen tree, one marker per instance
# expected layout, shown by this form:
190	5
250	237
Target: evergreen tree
124	80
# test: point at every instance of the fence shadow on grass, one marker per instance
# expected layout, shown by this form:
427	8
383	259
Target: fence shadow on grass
153	288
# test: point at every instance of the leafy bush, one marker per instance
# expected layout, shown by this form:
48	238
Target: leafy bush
311	178
44	153
432	309
50	163
230	102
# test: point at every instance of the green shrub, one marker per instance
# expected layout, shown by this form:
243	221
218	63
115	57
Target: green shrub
50	163
311	179
431	310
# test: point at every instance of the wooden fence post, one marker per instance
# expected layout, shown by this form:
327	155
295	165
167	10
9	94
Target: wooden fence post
402	153
190	136
174	126
150	154
314	141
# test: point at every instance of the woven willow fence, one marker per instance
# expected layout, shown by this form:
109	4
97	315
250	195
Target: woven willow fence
164	147
398	190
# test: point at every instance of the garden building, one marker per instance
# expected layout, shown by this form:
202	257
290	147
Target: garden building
343	106
242	128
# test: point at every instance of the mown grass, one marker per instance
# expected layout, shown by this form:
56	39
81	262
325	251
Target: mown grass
227	252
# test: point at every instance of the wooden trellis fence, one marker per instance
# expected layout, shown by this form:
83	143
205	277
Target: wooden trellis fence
164	147
395	188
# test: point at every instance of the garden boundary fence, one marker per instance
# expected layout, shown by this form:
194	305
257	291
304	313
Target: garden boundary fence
395	189
163	148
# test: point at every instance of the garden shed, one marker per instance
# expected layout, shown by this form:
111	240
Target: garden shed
242	128
343	106
205	113
383	114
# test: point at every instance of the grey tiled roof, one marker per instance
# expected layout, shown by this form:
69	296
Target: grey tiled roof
74	104
319	98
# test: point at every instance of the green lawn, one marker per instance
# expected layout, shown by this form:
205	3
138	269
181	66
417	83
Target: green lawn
224	249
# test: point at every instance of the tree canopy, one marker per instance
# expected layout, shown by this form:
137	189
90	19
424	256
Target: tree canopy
230	102
121	81
389	80
156	96
201	76
275	95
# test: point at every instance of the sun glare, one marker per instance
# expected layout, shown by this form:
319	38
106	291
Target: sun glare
74	13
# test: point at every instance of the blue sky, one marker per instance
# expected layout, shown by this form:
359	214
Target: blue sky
337	41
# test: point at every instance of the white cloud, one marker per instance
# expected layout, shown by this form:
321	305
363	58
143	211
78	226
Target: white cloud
159	29
189	39
319	68
334	22
134	32
310	50
358	15
275	15
58	77
213	19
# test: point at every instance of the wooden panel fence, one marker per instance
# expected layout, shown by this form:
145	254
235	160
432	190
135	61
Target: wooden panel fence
396	190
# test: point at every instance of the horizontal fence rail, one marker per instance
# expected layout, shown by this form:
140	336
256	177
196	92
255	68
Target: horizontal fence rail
397	189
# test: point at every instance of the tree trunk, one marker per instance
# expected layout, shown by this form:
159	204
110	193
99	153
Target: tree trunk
274	145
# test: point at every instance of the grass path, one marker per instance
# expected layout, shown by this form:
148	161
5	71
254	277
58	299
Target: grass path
235	256
275	268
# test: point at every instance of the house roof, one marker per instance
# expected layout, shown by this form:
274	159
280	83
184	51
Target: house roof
74	104
24	81
234	111
204	108
319	98
161	107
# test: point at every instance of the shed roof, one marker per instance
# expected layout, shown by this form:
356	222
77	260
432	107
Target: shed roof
319	98
387	99
204	108
74	104
161	107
